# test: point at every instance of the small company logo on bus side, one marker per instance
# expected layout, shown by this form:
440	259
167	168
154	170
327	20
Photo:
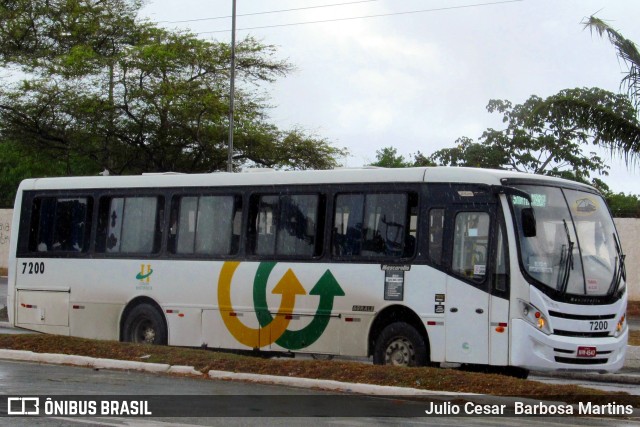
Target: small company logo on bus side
145	276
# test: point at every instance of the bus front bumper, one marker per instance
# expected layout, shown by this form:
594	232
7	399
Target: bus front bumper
534	350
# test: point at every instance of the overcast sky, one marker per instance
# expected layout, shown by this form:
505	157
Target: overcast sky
421	76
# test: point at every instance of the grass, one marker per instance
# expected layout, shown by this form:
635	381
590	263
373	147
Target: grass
204	360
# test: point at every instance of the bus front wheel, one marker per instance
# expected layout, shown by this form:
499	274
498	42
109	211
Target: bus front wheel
400	344
144	324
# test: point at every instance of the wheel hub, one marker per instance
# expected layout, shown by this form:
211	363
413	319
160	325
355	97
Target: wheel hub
400	352
149	335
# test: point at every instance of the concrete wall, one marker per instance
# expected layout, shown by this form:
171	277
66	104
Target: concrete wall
629	231
628	228
5	232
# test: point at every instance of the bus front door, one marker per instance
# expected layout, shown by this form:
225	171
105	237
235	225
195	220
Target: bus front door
467	297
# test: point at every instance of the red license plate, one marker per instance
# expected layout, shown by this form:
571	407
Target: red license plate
587	352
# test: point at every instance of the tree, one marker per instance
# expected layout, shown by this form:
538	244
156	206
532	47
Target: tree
63	37
626	50
627	142
471	154
388	157
106	91
623	205
547	136
19	161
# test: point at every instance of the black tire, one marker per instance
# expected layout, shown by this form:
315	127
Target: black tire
400	344
145	324
516	372
317	356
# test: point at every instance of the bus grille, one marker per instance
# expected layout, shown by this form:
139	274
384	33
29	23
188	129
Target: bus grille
572	361
581	334
581	316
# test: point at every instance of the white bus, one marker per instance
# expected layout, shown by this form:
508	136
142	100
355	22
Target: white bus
409	266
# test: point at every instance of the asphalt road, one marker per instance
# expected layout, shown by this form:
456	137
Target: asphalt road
251	404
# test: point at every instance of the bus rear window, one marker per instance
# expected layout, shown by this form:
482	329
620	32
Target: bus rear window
60	224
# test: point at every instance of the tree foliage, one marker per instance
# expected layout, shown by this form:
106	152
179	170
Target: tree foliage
623	205
472	154
548	136
388	157
626	50
627	143
106	91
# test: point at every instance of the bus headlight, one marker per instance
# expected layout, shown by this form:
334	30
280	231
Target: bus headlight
534	316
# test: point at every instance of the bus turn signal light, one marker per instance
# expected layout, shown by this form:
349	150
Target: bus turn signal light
620	325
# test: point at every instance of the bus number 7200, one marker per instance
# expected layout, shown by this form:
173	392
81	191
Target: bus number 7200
599	325
33	268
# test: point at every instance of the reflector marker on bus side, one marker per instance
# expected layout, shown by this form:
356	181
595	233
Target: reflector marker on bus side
290	316
28	305
78	307
499	326
434	323
171	311
352	319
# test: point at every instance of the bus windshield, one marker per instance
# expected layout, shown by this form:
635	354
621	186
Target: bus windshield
575	250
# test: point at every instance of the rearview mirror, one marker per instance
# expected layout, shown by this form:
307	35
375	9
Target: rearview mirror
528	222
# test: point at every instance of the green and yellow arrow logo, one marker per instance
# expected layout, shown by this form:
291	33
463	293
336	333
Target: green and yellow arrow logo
327	287
274	328
288	287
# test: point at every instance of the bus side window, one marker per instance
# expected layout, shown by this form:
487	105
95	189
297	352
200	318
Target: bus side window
204	225
470	245
347	231
410	244
289	225
130	224
60	224
436	230
374	225
501	274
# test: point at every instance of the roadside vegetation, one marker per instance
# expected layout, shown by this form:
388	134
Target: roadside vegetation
427	378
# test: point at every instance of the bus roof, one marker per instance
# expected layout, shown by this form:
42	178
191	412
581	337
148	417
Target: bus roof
440	174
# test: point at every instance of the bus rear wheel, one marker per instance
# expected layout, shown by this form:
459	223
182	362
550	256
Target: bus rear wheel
400	344
144	324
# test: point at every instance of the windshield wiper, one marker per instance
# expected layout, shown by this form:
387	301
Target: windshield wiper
620	272
566	260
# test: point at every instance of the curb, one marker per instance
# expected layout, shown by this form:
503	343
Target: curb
329	385
95	363
621	377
